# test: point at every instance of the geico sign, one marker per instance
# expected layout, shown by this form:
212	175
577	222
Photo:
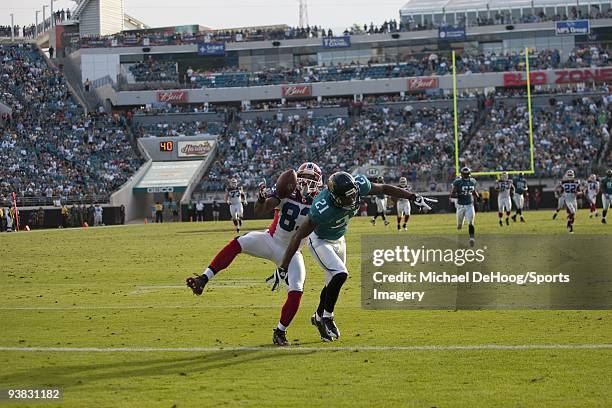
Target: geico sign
566	76
160	189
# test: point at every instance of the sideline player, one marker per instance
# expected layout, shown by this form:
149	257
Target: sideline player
289	214
403	204
464	191
325	228
571	189
592	191
606	195
234	196
381	205
520	190
505	189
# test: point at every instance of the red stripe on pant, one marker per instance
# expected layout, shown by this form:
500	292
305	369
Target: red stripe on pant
226	256
290	308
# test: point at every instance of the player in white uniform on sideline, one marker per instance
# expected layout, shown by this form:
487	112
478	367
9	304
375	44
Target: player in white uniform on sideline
289	214
234	196
571	189
592	188
505	190
403	204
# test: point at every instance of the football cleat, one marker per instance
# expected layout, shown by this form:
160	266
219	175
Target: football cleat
386	223
501	224
514	218
472	242
331	327
325	335
522	219
373	222
555	216
603	221
507	221
279	337
196	284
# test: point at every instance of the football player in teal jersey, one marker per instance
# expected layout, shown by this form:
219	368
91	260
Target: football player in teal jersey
325	228
520	189
606	194
464	190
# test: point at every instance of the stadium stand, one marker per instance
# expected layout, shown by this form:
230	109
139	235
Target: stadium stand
424	65
49	147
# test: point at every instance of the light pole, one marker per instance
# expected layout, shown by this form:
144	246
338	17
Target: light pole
36	26
52	15
44	18
12	28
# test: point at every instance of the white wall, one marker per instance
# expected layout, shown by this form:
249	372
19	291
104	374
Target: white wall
95	66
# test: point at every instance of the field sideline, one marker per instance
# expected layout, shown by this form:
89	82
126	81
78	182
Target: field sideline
103	314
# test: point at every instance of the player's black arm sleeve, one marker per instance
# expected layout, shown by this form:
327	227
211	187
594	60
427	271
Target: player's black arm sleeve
303	231
263	208
390	190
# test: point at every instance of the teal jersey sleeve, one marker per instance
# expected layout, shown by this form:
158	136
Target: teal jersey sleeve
364	184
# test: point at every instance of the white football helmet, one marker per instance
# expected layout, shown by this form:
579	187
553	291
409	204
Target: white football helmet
403	182
592	177
233	183
504	176
309	178
570	174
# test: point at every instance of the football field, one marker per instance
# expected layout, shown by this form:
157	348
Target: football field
103	315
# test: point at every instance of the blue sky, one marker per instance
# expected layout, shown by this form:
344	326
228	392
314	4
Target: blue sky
337	14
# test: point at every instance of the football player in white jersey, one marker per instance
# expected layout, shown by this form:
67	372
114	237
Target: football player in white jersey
571	189
505	190
234	196
289	214
403	204
560	200
592	187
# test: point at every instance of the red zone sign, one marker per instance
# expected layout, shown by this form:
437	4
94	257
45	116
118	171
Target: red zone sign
296	91
422	83
565	76
173	96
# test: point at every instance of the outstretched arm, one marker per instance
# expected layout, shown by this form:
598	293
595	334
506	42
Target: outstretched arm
390	190
303	231
264	204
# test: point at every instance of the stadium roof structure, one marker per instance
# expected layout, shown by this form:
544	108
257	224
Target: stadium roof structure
416	7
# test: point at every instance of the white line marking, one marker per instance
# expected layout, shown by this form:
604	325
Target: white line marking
131	307
310	348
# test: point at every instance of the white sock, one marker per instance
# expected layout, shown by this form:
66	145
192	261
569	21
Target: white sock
281	327
328	314
209	273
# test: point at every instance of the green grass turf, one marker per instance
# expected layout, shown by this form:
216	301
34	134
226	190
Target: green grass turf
104	288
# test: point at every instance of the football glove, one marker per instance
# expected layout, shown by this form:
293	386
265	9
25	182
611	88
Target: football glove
424	202
277	278
261	190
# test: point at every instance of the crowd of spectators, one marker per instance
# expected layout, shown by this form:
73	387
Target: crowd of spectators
572	135
48	146
154	71
260	149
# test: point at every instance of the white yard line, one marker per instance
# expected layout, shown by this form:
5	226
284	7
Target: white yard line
132	307
310	348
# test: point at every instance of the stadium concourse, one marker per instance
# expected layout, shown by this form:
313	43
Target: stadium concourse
155	72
